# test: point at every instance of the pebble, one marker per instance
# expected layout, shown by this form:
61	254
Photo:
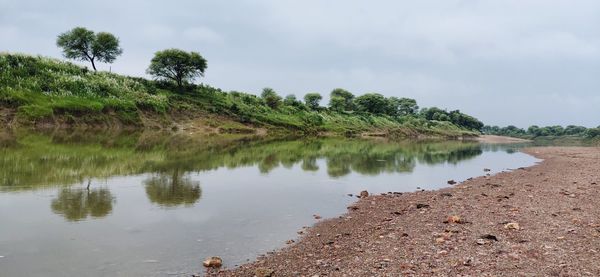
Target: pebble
512	226
213	262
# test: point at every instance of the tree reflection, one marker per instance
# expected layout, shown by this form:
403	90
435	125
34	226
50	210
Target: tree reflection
170	190
76	204
36	160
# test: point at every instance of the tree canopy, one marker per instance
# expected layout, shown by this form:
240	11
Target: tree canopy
312	100
271	98
84	45
177	65
341	100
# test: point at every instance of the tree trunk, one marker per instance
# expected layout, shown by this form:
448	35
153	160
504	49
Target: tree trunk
93	65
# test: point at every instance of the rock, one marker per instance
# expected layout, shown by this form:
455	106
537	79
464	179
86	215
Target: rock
481	241
512	226
316	216
364	193
487	170
446	194
451	182
454	219
289	241
353	208
421	206
489	237
214	262
263	272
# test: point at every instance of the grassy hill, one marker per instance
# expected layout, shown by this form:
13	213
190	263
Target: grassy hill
42	92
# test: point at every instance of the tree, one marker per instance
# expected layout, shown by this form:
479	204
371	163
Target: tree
312	100
177	65
341	100
408	106
271	98
374	103
82	44
290	100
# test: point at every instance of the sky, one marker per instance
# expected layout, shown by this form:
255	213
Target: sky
518	62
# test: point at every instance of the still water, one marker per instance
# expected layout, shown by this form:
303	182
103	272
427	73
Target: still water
152	205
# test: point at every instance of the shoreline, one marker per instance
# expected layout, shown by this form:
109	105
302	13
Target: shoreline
539	220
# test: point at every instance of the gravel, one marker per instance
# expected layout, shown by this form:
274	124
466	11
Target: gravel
538	221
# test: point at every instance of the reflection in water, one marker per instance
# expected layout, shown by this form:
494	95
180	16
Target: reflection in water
248	201
172	190
76	204
31	161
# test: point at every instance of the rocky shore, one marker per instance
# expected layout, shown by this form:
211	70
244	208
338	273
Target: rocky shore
538	221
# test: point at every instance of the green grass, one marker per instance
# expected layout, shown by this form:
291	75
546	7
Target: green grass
48	90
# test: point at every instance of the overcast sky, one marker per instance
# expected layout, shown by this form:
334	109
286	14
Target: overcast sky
506	62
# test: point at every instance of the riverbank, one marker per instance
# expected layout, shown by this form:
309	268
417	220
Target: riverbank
45	93
541	221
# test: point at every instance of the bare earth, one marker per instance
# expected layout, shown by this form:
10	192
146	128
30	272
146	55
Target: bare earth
538	221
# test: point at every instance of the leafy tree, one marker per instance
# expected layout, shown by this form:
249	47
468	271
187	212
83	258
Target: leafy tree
593	132
291	100
84	45
393	106
408	106
271	98
177	65
374	103
572	130
312	100
341	100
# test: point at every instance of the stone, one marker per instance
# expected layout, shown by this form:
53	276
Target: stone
213	262
421	206
489	237
512	226
451	182
263	272
364	193
454	219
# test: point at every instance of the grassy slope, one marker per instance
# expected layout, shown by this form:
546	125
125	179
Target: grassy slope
38	91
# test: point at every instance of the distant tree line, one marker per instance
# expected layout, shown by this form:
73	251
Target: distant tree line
343	101
537	131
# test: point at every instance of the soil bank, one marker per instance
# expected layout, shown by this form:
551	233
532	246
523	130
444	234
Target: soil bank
538	221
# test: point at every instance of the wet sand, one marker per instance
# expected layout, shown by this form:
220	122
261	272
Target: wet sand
538	221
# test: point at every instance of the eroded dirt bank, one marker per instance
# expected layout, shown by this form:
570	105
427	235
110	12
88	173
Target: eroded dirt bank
538	221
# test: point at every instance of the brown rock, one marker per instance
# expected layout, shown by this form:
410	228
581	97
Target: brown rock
214	262
454	219
364	193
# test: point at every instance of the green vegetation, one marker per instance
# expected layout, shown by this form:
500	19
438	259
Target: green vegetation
536	132
43	91
177	65
82	44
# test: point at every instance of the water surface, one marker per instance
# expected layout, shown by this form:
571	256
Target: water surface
151	205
